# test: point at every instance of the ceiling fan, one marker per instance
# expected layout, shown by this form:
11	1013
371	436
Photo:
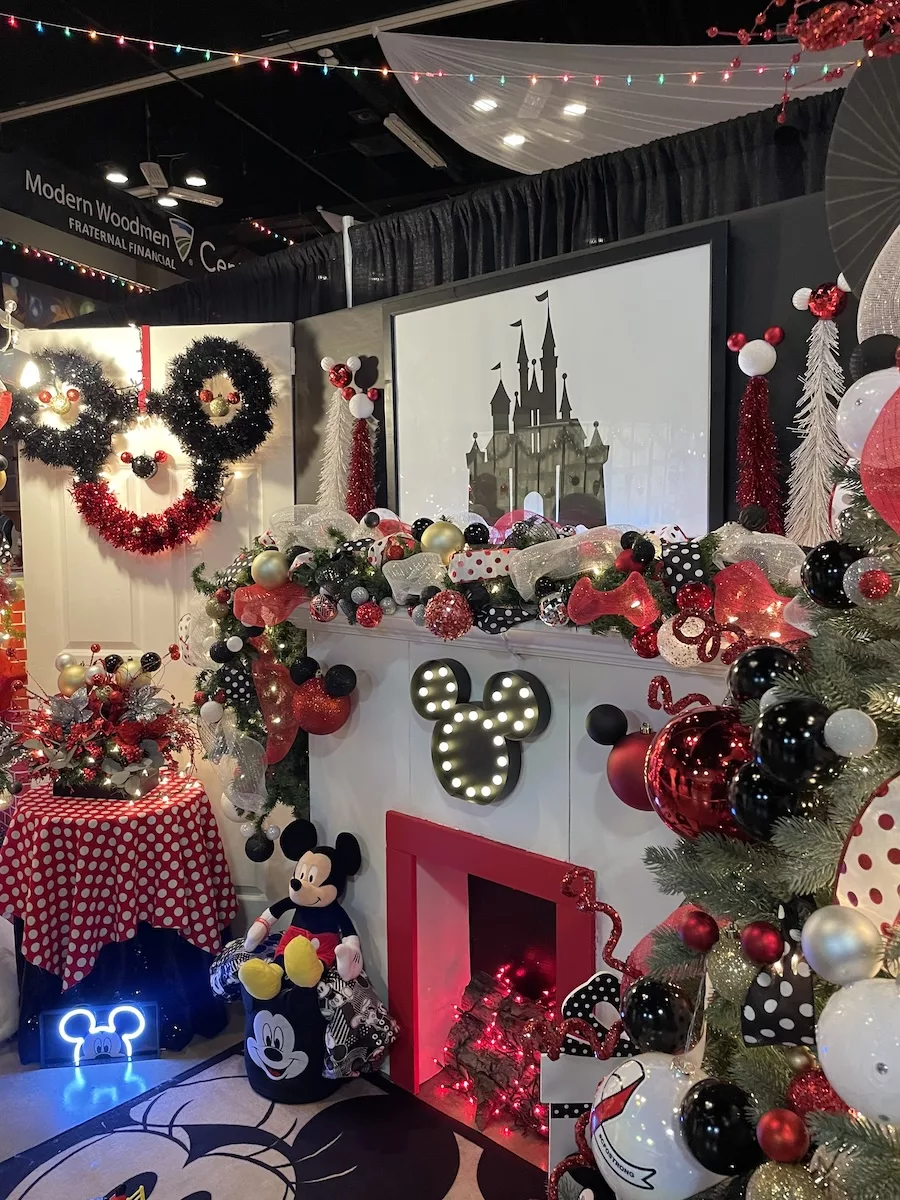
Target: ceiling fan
158	186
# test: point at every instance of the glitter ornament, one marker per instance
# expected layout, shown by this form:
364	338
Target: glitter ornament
359	595
317	712
219	407
694	598
809	1091
368	614
699	931
780	1181
552	611
322	608
418	614
388	606
729	971
340	375
874	584
762	943
448	615
674	651
851	733
827	301
645	643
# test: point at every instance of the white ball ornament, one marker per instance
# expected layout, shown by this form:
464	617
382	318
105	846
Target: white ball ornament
861	405
63	660
235	644
248	829
851	733
635	1130
757	357
211	711
361	406
801	298
273	832
94	671
327	363
843	284
354	363
858	1044
842	945
226	804
767	699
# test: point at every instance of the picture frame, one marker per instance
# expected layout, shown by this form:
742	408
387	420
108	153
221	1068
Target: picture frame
614	415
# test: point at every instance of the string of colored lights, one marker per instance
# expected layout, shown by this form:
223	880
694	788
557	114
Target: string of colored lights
723	74
72	264
279	237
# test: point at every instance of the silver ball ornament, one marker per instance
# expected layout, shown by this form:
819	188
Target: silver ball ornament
388	606
64	660
842	945
248	829
94	671
418	615
273	832
851	733
552	610
359	595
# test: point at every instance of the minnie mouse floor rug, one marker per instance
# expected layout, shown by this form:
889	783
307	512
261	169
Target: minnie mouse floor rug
207	1136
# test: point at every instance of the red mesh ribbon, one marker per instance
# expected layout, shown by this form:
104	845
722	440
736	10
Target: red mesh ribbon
757	454
579	884
584	1157
880	463
255	605
632	600
748	604
659	685
275	690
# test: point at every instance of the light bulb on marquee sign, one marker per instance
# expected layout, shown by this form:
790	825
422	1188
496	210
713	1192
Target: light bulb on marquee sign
476	748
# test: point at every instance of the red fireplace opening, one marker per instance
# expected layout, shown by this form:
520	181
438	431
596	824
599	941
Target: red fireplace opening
436	879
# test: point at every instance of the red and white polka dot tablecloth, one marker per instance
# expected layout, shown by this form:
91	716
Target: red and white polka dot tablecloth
83	873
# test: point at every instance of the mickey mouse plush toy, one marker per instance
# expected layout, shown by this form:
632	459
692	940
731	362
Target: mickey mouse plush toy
320	934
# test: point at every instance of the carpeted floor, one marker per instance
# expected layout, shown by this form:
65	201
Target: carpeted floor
206	1136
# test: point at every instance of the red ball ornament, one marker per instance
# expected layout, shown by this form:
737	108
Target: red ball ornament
627	563
782	1135
199	697
694	598
394	551
220	696
45	396
96	647
809	1091
875	584
369	614
348	392
736	341
316	711
322	608
448	615
374	395
206	396
625	770
73	395
688	769
174	653
713	31
644	643
126	456
827	301
762	943
223	595
699	931
774	335
160	456
116	696
234	397
735	63
340	375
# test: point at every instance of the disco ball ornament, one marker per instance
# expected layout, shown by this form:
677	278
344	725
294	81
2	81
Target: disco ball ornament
340	375
552	610
730	973
359	595
822	573
688	769
448	615
388	606
322	608
418	614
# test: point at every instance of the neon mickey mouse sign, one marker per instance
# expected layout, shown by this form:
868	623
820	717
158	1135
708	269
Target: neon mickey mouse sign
93	1040
476	749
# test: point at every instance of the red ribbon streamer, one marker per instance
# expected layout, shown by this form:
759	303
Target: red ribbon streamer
579	885
632	600
659	685
275	690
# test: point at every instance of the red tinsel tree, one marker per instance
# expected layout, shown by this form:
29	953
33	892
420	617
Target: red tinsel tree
361	475
757	455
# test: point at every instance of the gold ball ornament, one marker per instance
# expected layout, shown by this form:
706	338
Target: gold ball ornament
71	678
219	407
60	405
730	973
6	799
15	589
143	680
443	538
270	569
799	1058
2	480
128	672
216	610
783	1181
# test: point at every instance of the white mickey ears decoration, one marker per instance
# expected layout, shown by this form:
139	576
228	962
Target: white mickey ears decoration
759	356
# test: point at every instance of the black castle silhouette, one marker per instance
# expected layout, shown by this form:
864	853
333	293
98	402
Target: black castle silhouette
536	445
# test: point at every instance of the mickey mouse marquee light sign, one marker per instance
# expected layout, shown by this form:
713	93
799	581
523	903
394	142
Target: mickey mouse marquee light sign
66	383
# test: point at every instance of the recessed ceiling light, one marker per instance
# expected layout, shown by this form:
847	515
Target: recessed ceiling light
195	179
575	109
485	104
167	201
116	175
514	139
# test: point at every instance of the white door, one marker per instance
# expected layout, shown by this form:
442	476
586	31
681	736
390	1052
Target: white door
79	589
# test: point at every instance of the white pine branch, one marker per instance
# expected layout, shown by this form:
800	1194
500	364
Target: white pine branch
819	453
336	446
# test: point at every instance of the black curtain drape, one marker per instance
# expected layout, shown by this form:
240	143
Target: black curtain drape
710	172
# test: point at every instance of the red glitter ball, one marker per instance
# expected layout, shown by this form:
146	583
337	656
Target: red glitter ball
223	595
827	301
448	615
348	392
44	396
768	35
340	375
220	696
875	584
810	1091
644	643
694	598
234	397
736	341
712	32
199	697
159	456
322	608
95	647
73	395
699	931
774	335
205	396
174	653
394	552
369	614
762	943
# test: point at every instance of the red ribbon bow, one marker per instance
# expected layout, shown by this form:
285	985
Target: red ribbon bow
255	605
748	605
632	600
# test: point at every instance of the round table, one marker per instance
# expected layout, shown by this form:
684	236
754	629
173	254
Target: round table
80	875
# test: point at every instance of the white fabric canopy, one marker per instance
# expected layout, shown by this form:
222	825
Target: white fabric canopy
530	106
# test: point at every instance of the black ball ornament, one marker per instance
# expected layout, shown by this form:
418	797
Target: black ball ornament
758	801
874	354
628	538
477	534
150	662
544	586
519	536
246	632
112	662
758	669
293	552
15	787
258	847
822	573
340	680
303	669
220	653
4	462
606	724
643	551
419	526
144	466
371	519
754	517
428	593
789	744
657	1016
717	1130
347	609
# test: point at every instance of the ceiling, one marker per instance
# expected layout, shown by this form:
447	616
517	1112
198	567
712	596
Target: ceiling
278	144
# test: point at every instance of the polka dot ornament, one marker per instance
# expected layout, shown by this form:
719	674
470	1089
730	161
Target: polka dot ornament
237	684
602	988
682	563
236	570
500	618
869	872
778	1009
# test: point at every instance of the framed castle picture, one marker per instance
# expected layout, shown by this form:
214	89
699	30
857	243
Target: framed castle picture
589	388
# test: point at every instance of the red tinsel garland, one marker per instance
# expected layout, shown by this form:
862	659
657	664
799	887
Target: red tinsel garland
150	534
361	473
757	455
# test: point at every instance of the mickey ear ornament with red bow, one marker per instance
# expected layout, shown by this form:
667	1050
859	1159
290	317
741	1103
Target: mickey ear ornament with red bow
757	446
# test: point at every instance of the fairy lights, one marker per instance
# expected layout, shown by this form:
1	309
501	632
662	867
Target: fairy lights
73	264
